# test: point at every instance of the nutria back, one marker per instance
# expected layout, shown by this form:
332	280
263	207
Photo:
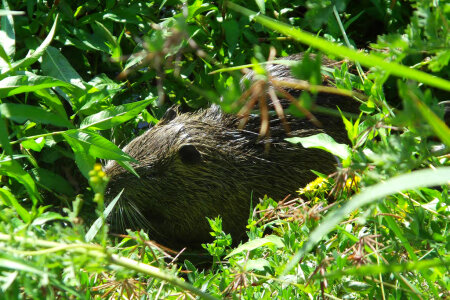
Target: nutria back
198	165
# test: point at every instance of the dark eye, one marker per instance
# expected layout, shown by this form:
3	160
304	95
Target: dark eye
189	154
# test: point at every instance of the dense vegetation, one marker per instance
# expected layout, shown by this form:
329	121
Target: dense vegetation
80	77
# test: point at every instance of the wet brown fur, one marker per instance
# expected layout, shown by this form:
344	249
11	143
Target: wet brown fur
198	165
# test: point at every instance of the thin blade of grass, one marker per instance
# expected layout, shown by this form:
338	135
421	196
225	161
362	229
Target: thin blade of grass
368	60
33	57
93	230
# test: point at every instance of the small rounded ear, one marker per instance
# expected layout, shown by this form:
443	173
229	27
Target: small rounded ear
189	154
169	115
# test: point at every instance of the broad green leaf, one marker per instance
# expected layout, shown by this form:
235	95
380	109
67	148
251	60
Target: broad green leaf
54	64
4	140
127	166
201	9
133	60
7	36
416	179
5	61
261	6
102	81
13	169
9	199
397	231
113	116
439	127
47	217
89	41
34	144
352	129
125	15
256	264
98	146
52	181
30	82
322	141
253	244
116	51
8	261
22	112
325	46
196	8
100	95
440	61
231	34
13	263
83	159
31	58
99	222
52	101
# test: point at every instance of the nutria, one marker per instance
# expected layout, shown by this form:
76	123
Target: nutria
198	165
